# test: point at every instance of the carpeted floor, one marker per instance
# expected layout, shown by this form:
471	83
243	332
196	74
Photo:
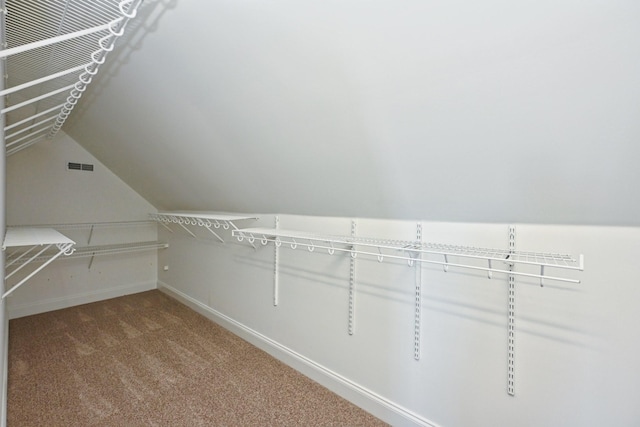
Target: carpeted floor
147	360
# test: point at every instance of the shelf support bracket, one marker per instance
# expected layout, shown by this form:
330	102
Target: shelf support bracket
212	232
64	249
190	232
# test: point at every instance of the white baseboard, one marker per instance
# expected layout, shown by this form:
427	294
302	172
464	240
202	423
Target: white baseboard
368	400
52	304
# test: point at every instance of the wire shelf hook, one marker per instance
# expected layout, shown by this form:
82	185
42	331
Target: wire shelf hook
331	249
127	14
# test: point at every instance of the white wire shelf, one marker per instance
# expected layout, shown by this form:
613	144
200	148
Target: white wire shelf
84	225
32	238
91	251
52	51
208	220
475	258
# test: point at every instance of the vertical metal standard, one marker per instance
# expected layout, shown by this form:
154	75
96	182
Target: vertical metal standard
352	284
276	256
512	316
418	297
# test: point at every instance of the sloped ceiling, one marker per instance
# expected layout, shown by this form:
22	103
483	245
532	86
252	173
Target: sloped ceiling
456	111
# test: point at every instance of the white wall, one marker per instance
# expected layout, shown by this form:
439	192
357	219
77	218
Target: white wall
576	345
40	190
491	111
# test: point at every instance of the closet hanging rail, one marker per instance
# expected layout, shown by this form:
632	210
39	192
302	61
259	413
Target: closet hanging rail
52	51
466	257
33	238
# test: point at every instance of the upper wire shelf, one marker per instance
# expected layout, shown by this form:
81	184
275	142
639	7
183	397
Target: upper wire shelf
83	225
207	220
475	258
53	50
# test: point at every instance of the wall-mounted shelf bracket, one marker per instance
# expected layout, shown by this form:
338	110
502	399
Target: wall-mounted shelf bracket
44	238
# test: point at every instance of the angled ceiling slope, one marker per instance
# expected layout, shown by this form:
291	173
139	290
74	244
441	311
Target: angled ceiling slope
52	50
471	111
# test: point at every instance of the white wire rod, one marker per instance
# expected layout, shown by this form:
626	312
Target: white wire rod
28	136
81	225
21	265
411	259
80	16
90	251
35	116
36	99
25	145
190	232
19	257
23	130
463	251
62	250
34	45
42	79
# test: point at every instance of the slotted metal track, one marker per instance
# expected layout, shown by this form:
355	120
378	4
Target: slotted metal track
51	51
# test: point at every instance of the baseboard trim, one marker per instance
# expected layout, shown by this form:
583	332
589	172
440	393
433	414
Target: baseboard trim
370	401
78	299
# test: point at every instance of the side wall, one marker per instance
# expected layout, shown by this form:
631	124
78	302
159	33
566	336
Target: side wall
40	190
575	349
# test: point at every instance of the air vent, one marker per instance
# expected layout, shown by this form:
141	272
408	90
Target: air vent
79	166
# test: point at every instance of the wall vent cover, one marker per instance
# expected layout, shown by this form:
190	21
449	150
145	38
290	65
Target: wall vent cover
79	166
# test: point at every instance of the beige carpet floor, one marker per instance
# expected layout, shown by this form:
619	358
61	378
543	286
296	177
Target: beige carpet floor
147	360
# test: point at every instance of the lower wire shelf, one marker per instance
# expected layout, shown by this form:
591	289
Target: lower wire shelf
91	251
27	239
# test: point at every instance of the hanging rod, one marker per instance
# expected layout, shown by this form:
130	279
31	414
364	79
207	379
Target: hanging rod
33	238
420	252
